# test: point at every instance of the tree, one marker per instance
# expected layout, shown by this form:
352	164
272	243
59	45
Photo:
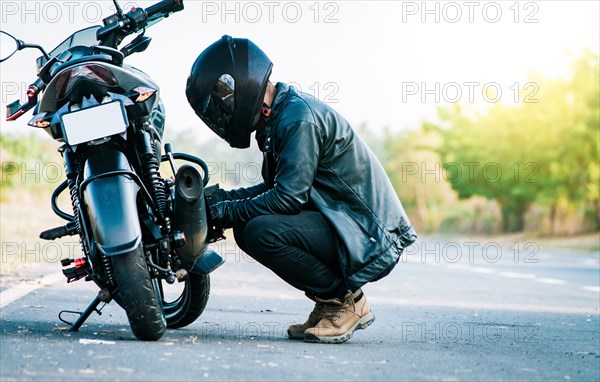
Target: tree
543	151
415	172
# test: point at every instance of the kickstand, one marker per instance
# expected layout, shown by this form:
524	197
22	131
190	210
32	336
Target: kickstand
73	327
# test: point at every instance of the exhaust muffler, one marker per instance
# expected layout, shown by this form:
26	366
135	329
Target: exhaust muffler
190	215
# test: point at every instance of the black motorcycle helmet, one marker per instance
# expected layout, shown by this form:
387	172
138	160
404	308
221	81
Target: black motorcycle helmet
226	88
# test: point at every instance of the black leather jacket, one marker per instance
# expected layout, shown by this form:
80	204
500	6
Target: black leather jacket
314	159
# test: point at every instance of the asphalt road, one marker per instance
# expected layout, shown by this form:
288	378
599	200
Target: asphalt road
464	310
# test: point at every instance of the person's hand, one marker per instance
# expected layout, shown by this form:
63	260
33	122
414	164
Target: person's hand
215	221
213	196
219	195
217	216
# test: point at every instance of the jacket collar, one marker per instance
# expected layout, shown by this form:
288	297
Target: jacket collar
281	91
264	136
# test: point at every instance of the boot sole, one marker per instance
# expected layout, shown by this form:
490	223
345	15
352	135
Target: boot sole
295	336
363	323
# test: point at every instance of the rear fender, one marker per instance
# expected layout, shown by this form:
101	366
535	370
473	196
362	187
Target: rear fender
109	198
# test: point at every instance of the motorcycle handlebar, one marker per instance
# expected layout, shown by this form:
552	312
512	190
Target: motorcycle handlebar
120	26
164	8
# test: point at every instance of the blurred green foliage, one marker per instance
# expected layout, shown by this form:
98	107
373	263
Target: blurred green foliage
538	151
30	164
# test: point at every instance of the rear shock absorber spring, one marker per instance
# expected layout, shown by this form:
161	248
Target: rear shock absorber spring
73	169
154	182
74	201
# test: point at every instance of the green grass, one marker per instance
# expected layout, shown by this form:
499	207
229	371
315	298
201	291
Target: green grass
21	222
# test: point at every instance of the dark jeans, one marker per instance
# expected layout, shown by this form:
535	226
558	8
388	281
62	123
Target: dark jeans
301	249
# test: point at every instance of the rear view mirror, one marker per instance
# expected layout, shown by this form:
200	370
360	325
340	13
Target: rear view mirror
8	46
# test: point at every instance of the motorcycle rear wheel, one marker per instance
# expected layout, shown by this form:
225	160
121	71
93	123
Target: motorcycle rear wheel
137	296
190	304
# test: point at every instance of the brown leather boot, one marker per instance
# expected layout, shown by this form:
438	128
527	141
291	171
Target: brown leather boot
341	319
296	331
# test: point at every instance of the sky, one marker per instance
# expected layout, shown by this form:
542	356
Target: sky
389	64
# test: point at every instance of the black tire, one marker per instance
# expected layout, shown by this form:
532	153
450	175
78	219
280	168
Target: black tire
137	295
191	302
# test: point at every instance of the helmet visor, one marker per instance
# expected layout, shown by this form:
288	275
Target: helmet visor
218	106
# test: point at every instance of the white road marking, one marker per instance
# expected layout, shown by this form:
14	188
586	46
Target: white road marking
591	288
516	275
24	288
88	341
550	281
592	262
484	305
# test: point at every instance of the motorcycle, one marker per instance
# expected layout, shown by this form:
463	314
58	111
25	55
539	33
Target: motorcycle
139	232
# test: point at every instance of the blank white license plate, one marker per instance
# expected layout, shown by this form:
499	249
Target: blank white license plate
94	123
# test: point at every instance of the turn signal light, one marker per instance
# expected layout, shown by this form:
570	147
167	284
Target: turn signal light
39	120
144	93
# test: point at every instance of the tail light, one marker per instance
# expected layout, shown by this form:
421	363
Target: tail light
96	73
